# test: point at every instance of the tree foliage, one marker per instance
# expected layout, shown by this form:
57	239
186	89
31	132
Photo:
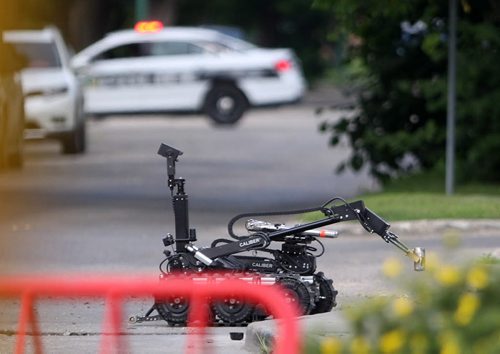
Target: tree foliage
401	121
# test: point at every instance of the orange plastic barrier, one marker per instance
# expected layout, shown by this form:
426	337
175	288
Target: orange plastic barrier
115	288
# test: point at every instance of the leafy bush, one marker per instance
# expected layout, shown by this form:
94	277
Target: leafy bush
447	310
401	122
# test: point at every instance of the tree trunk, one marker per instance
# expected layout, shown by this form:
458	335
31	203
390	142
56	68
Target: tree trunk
86	22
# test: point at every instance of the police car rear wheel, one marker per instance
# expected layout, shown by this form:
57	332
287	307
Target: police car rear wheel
225	104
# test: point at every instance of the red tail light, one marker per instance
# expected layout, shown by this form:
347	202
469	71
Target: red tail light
283	65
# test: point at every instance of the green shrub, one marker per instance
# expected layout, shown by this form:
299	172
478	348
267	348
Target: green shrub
447	310
400	124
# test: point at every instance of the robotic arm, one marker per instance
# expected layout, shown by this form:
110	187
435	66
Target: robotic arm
373	223
265	232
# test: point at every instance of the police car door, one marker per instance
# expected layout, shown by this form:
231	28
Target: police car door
145	76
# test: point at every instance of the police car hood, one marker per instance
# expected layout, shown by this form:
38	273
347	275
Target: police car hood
43	79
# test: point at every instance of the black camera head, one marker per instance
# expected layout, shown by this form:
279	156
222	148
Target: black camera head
171	155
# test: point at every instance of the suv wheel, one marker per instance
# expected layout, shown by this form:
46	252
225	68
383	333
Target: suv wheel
75	141
225	104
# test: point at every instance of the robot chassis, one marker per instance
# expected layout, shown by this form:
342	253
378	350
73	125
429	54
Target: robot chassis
293	267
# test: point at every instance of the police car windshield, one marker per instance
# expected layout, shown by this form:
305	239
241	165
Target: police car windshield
39	54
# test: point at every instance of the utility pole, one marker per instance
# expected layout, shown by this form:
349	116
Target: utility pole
141	10
452	99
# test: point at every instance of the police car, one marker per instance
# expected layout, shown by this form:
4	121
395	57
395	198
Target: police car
156	69
53	98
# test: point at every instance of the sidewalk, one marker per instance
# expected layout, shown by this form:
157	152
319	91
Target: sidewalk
330	323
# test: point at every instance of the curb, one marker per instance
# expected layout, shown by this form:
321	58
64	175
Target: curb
261	334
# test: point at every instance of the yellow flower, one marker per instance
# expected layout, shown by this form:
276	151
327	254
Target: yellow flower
330	345
448	275
449	344
392	341
467	307
392	267
450	348
360	345
477	277
403	306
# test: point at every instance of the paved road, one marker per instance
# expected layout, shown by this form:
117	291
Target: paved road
107	211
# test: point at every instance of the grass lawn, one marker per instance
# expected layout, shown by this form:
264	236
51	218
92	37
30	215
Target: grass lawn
423	197
415	205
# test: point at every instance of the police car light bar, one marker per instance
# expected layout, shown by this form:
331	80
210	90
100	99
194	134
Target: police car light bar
148	26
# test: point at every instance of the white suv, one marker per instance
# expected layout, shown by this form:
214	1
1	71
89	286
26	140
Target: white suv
53	97
185	69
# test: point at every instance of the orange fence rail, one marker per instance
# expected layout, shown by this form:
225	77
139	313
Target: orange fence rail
116	288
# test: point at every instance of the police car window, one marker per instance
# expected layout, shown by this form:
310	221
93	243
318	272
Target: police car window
126	51
235	43
225	44
174	48
39	55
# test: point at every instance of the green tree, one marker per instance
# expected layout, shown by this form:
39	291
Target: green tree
401	121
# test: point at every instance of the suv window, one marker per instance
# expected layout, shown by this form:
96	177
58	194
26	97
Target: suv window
39	55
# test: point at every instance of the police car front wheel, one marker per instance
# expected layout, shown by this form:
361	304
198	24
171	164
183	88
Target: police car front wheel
225	104
74	142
